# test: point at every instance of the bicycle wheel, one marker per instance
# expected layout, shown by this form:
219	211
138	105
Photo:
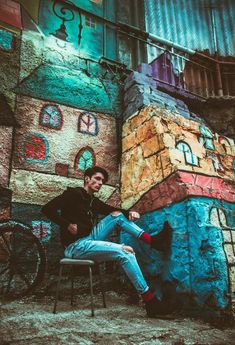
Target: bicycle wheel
22	259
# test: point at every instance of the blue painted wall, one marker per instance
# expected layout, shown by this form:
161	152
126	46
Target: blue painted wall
196	268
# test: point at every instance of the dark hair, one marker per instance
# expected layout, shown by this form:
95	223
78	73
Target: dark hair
91	171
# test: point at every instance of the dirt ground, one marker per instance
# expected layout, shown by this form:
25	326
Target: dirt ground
30	321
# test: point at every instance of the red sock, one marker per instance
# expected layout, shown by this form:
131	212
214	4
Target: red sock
145	237
147	296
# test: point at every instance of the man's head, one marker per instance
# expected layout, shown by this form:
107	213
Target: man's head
94	178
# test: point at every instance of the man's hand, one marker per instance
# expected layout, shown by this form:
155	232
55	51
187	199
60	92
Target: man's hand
73	229
128	249
133	215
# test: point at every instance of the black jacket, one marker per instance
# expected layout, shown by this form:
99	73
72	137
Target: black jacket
76	206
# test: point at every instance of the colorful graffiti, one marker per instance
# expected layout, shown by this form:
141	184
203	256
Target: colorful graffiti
175	168
63	98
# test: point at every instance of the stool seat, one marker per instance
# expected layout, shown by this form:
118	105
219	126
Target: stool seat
79	262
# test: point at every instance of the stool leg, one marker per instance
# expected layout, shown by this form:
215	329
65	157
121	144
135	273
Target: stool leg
57	288
91	290
102	287
72	284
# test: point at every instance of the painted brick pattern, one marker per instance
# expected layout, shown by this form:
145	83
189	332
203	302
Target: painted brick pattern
151	155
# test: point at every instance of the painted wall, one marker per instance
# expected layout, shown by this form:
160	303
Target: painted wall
196	271
176	169
67	101
65	131
154	151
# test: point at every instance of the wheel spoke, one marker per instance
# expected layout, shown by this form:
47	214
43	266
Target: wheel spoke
4	270
6	244
9	282
22	260
22	275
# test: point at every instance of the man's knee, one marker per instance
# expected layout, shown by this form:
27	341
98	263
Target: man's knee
116	213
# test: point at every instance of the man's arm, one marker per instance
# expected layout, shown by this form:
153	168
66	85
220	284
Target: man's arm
52	208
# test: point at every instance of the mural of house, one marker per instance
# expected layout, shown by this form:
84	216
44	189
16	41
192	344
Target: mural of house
116	84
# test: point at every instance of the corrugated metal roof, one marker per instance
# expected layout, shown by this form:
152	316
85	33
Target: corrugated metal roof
195	24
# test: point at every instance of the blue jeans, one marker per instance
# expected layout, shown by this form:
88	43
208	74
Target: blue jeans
94	247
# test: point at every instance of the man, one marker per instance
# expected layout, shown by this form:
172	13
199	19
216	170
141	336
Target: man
76	212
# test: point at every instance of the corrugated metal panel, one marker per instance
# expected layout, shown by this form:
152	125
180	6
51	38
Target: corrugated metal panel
189	23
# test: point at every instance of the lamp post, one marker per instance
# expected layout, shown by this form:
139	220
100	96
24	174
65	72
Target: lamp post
65	11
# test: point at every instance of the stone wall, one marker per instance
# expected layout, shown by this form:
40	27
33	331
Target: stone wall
175	168
152	153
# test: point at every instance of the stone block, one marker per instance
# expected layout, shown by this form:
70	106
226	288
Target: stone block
135	91
207	166
145	131
126	129
153	165
129	142
167	166
150	146
137	120
138	78
145	69
130	110
145	180
203	181
168	140
132	165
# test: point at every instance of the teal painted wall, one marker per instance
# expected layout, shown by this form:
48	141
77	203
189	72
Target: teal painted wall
195	272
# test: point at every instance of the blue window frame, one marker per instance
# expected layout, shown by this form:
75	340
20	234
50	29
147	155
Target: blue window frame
206	138
85	159
189	156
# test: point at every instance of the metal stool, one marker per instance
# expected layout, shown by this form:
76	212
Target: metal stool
78	262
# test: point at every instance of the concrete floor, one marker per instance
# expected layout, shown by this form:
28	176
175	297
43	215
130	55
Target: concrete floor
30	321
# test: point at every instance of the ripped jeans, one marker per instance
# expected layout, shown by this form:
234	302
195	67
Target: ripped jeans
94	247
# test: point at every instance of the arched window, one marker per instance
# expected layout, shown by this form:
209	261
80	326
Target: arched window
36	148
87	123
216	163
218	217
51	117
42	230
85	159
190	158
226	144
206	138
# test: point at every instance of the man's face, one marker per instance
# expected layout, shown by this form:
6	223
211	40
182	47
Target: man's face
94	183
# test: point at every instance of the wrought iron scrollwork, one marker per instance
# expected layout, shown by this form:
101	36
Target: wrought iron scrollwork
65	10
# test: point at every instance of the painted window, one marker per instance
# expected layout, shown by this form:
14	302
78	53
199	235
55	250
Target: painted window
36	148
206	138
216	163
90	22
218	217
87	123
85	159
42	230
226	144
51	117
190	158
6	40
